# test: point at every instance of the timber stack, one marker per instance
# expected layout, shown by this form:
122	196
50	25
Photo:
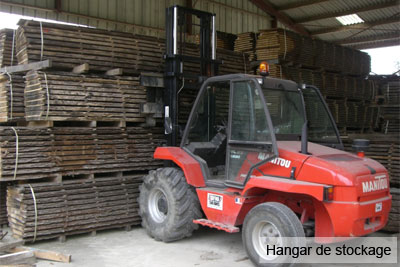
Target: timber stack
73	206
7	53
73	135
12	108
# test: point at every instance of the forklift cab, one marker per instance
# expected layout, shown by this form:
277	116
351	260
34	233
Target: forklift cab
237	119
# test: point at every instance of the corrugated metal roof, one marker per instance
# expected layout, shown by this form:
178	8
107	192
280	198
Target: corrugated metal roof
319	18
233	16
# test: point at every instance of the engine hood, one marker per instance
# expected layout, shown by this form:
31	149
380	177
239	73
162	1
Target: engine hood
331	166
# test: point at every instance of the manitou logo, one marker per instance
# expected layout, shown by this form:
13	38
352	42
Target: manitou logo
380	183
277	161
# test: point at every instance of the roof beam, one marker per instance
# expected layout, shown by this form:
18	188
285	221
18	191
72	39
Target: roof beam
369	7
359	26
300	4
382	37
385	43
271	10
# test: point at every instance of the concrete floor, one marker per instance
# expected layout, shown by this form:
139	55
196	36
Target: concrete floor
207	247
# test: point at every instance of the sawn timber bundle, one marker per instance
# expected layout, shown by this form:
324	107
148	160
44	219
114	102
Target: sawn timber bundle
72	207
7	54
58	96
69	46
12	97
34	153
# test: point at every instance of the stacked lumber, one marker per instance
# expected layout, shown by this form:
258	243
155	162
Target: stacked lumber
339	111
307	51
3	205
246	43
392	93
69	46
383	148
393	224
286	46
51	152
73	207
82	97
277	44
7	58
224	40
12	106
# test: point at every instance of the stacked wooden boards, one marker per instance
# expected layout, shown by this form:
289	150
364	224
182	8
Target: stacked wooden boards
348	97
287	46
69	46
34	153
7	54
12	106
46	210
59	96
3	204
246	43
277	44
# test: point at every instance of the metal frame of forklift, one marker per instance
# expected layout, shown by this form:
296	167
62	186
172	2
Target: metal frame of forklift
175	58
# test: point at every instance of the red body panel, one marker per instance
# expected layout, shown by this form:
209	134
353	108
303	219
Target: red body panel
191	168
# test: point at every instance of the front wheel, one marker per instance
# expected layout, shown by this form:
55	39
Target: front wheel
168	205
270	225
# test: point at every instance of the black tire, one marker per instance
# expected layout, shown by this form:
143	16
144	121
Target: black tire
275	218
168	205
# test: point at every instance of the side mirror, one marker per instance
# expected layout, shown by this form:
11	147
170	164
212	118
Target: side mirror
168	125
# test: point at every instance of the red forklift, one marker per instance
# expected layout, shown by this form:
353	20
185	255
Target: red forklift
264	156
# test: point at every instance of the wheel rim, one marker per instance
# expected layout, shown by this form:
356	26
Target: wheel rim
266	233
158	205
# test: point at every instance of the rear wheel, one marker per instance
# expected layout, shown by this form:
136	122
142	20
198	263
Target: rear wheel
168	205
268	225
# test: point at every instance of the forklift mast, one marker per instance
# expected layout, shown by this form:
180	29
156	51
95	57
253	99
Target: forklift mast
178	24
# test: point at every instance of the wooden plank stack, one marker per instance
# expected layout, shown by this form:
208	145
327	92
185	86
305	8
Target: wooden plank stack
7	58
69	46
73	207
246	43
82	97
286	46
3	204
12	106
51	152
277	44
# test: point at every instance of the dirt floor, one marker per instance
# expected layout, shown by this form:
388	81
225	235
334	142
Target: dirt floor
207	247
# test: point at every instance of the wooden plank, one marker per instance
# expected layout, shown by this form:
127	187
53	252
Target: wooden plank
24	257
83	68
26	67
114	72
46	254
10	245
